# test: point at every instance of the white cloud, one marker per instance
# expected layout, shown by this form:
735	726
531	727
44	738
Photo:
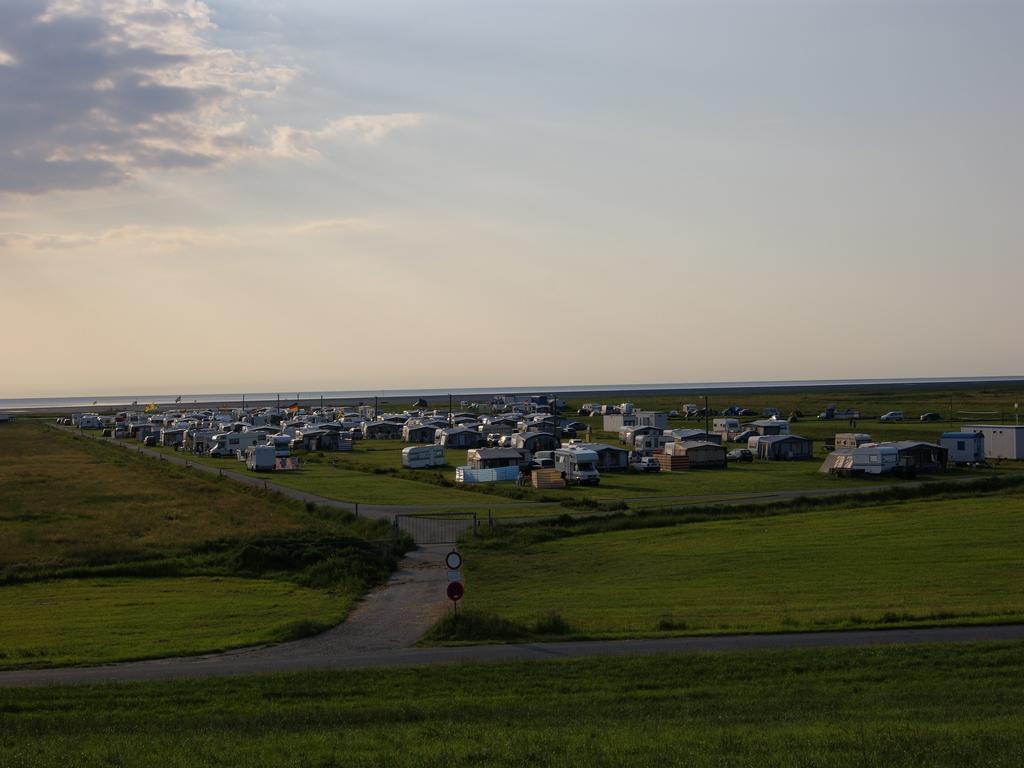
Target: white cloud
347	225
6	59
293	142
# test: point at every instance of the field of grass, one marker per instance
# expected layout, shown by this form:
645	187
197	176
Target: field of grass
108	555
924	561
941	706
83	621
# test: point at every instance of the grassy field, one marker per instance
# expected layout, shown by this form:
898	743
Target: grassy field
372	473
925	561
946	707
107	555
83	621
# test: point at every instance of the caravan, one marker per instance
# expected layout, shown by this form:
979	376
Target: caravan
233	444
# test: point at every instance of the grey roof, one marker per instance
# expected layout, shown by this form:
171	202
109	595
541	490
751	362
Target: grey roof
960	435
497	453
769	439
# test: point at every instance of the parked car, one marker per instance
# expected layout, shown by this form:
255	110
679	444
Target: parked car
568	432
891	417
645	464
673	414
930	416
742	437
747	412
150	440
542	464
740	454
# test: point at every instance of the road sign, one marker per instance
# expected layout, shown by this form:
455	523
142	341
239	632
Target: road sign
454	575
453	560
455	591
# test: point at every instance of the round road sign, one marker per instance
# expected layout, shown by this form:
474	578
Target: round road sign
455	591
453	560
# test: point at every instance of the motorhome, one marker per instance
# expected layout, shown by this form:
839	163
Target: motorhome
578	465
234	443
260	458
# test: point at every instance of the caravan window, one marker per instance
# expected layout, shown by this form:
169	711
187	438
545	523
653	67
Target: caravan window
961	445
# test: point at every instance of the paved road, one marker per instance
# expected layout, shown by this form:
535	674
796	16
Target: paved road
246	663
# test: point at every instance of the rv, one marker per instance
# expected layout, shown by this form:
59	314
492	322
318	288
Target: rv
260	458
422	456
234	443
578	465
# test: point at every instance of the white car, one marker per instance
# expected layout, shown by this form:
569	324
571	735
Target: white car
891	416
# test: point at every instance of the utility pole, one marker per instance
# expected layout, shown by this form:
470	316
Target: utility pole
707	418
375	400
451	413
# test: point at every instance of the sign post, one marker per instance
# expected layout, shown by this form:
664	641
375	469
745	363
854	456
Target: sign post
455	589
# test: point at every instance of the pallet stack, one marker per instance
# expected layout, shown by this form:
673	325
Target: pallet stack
547	478
670	463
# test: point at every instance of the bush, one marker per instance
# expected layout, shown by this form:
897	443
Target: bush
296	630
551	624
473	626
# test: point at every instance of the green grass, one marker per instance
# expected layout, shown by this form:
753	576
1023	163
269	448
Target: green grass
70	500
106	555
88	621
946	707
924	561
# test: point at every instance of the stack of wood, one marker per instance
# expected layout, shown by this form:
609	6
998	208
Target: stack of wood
547	478
672	463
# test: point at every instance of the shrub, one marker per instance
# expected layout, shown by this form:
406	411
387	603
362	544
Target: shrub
551	624
473	625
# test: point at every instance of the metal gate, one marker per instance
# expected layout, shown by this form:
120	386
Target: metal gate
438	529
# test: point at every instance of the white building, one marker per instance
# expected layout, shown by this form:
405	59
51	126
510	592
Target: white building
963	447
1002	441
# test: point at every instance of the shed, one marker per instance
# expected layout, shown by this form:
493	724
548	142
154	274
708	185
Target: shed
492	458
784	447
963	447
692	436
697	454
1002	441
851	439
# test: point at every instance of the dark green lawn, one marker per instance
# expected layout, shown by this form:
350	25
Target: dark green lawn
951	706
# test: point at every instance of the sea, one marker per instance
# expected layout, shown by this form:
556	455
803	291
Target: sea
75	402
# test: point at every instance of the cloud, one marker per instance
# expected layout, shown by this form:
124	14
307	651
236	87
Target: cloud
318	225
97	91
366	129
141	238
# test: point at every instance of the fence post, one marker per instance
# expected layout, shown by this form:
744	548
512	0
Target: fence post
474	525
490	519
357	512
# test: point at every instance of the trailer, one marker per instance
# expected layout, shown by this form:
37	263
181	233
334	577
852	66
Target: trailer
228	444
422	456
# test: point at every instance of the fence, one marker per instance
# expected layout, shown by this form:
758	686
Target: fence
439	529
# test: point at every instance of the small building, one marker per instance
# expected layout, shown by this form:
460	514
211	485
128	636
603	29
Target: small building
7	418
698	454
459	437
610	458
963	447
616	422
172	437
1002	441
382	430
419	433
492	458
784	447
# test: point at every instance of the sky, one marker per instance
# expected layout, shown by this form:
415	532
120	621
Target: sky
303	195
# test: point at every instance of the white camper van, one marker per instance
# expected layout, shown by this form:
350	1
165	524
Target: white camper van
228	444
260	458
578	464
